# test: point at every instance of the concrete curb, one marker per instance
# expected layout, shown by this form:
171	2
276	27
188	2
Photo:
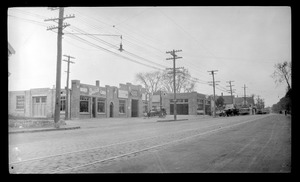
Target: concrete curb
43	129
170	120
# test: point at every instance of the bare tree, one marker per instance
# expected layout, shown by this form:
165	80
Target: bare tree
283	73
150	80
184	81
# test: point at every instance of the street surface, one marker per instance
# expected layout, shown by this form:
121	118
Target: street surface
255	143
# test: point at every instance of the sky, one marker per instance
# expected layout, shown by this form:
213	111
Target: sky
242	43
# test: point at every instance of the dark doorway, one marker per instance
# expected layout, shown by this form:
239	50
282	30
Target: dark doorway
182	109
134	108
111	110
94	107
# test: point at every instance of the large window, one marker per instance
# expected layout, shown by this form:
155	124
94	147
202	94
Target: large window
20	102
200	107
63	103
84	104
101	105
121	106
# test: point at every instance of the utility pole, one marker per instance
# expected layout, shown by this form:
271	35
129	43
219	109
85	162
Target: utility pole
231	90
213	76
60	27
174	76
244	94
67	86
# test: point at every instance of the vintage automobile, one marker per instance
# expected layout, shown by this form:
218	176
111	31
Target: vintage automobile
231	110
159	113
244	110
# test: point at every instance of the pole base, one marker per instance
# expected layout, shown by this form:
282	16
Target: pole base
56	125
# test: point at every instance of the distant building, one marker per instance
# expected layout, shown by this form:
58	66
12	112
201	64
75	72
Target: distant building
240	101
227	99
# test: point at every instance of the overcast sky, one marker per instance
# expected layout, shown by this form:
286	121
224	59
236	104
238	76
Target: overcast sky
242	43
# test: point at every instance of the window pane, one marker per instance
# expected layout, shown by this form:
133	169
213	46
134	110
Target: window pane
122	106
43	99
37	100
101	106
84	106
62	105
20	102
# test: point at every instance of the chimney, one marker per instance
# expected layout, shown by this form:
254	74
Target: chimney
97	83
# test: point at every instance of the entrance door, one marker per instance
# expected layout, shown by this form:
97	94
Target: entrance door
94	107
39	106
111	110
134	108
182	109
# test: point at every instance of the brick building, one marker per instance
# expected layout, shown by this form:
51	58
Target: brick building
187	103
93	101
86	101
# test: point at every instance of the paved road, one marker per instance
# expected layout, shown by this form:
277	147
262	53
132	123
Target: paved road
259	143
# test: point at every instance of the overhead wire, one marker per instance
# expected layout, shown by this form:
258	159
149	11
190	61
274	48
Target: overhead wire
138	57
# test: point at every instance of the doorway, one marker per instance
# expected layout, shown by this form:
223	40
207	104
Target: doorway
134	108
39	106
111	110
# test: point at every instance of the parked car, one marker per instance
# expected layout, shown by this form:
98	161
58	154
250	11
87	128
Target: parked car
244	110
200	112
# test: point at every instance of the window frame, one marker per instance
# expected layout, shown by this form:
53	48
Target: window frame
122	104
63	103
101	100
84	100
18	100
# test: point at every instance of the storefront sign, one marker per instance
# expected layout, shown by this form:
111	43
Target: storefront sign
84	90
134	93
102	92
123	94
93	91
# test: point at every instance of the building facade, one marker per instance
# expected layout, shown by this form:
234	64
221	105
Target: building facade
85	101
186	103
93	101
38	102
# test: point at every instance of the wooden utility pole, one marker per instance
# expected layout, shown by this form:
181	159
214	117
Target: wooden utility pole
244	94
67	86
174	77
213	76
58	63
231	90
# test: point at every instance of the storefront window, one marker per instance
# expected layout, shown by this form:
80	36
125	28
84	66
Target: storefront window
101	105
200	101
121	106
200	107
20	102
84	104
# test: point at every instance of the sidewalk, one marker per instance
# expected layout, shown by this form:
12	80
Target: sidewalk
104	122
31	130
